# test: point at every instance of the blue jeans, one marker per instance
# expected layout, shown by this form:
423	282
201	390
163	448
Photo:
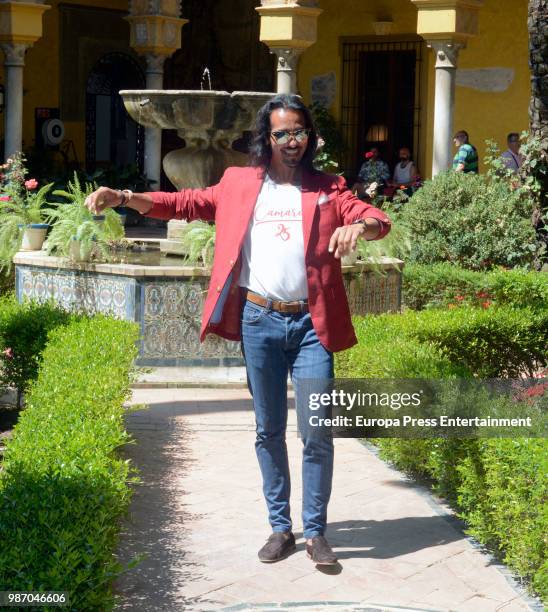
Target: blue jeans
274	344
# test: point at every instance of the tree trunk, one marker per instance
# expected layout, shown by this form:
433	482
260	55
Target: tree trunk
538	61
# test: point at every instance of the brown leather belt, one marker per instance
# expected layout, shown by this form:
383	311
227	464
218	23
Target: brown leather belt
287	307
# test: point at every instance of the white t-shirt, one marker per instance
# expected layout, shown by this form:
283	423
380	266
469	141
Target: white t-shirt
273	249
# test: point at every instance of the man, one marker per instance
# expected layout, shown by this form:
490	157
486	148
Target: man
276	284
466	158
405	171
373	170
511	157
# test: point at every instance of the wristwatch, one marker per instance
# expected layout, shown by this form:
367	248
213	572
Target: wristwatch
125	197
365	226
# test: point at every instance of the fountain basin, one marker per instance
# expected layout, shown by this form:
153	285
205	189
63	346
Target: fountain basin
166	299
189	110
208	121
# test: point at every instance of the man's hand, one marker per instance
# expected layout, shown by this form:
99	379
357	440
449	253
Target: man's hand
103	198
344	239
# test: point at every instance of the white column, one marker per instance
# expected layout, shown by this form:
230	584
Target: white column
446	68
288	58
14	61
153	136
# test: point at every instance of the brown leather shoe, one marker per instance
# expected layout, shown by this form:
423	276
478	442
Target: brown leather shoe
320	552
277	547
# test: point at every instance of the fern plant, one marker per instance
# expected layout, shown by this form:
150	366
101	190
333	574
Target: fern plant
73	221
198	240
396	244
20	205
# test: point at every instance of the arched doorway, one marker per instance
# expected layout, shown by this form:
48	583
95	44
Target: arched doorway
112	137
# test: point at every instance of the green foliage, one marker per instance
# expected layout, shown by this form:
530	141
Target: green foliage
326	125
63	489
24	330
402	354
498	485
198	240
396	244
20	205
7	282
490	343
502	496
475	221
127	177
443	284
73	221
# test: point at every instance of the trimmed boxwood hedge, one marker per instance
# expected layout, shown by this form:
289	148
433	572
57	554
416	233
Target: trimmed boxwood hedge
498	486
490	343
443	284
63	489
24	332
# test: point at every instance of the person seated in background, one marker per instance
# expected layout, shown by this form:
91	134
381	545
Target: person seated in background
466	159
511	158
373	170
405	171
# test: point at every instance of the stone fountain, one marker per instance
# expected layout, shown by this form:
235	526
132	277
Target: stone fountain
209	122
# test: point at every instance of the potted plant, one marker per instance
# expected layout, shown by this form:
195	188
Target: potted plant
78	234
22	214
198	240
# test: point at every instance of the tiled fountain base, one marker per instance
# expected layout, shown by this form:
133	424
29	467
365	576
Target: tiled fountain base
167	302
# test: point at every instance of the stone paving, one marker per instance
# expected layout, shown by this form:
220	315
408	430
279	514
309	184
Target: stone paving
200	518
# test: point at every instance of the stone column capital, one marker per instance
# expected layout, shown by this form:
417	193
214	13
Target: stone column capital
288	57
447	52
14	53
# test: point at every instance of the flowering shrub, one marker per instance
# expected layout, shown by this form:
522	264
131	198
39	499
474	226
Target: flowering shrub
20	204
478	222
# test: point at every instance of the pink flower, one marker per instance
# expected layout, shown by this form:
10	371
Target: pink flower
4	198
459	298
31	184
368	155
8	353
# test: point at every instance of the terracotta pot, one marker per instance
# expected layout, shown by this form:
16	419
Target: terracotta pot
34	236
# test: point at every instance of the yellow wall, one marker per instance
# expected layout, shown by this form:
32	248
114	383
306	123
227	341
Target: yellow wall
502	43
41	76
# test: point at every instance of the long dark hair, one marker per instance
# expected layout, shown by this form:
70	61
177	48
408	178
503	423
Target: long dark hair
260	150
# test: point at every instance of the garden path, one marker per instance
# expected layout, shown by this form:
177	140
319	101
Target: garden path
200	517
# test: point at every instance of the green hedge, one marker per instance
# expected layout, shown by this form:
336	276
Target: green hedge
491	343
444	284
62	488
7	281
498	486
24	330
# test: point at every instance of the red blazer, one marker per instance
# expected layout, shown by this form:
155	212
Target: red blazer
327	204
